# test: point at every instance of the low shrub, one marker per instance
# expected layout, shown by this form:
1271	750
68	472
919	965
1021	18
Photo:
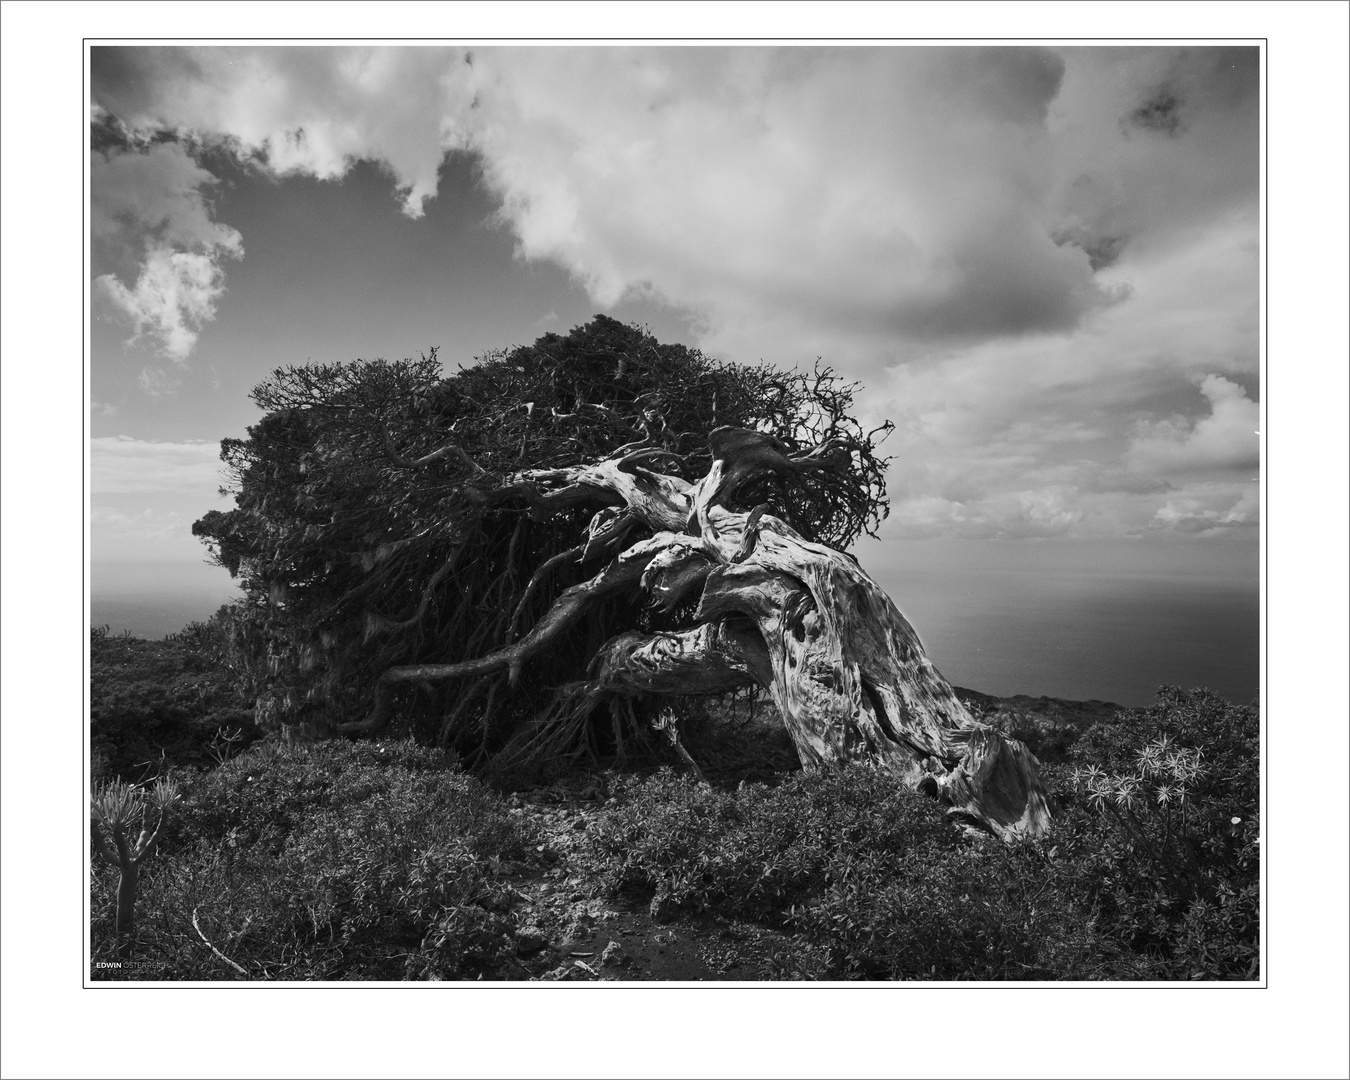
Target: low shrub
1164	823
332	861
1152	870
158	704
878	882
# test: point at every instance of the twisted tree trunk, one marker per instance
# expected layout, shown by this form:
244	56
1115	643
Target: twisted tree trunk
802	620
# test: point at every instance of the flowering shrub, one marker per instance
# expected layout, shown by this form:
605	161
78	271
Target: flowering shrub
1165	830
1149	805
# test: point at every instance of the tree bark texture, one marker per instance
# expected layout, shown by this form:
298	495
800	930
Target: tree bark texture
801	620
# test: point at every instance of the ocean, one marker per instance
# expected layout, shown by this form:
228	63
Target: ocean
1113	639
152	600
1003	629
151	616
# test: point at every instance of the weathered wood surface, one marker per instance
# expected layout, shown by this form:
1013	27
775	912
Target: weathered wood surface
801	620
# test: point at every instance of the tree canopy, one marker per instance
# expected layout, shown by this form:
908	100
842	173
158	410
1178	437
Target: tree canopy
391	515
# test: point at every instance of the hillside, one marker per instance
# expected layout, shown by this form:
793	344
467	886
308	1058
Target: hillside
383	860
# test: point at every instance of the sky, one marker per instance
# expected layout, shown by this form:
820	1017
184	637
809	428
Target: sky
1040	262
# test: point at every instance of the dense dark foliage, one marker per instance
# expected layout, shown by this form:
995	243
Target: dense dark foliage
161	703
340	860
1165	825
383	519
1152	872
877	881
386	516
324	861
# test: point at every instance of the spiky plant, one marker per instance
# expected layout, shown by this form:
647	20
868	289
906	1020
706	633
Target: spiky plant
121	809
1152	806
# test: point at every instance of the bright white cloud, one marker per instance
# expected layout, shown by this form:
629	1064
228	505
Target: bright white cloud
175	293
1208	509
311	111
1030	257
151	202
122	465
901	193
1225	439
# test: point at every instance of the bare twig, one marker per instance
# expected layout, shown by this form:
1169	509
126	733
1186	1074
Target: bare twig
218	953
408	463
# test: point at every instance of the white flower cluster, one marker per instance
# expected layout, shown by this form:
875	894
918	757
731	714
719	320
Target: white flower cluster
1164	775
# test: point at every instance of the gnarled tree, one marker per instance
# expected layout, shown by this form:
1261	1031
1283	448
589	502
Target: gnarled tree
588	524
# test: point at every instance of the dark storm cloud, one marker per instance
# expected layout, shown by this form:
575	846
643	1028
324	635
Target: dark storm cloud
1160	112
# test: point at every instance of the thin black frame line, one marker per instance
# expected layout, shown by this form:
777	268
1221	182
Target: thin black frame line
86	690
1264	982
1263	697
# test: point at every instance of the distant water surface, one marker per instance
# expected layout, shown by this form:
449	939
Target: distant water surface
1116	640
152	600
997	629
150	617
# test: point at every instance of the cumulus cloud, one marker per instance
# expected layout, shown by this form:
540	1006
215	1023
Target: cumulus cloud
896	192
155	193
151	201
175	292
1208	509
848	196
1030	256
310	111
1225	439
123	465
1008	515
1064	411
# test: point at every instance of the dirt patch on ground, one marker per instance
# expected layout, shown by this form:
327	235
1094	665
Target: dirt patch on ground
569	930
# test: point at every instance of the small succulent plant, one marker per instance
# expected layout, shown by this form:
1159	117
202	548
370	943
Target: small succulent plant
124	811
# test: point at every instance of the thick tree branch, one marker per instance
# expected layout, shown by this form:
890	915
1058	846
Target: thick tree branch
197	926
101	845
145	846
621	574
575	554
844	667
448	450
705	660
544	505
